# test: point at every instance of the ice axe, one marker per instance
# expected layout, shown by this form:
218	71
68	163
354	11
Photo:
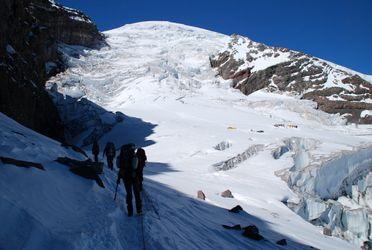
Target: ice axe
116	189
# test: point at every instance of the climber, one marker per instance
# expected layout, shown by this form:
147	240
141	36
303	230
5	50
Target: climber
110	154
95	150
141	155
128	163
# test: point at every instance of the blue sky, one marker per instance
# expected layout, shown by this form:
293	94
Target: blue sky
336	30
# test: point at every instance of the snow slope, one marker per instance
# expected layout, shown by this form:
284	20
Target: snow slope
158	74
55	209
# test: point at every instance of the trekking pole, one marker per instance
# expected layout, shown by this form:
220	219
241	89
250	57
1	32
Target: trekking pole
116	190
117	185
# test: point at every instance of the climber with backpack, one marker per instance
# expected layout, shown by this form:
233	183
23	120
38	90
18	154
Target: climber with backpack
110	153
128	163
95	150
142	158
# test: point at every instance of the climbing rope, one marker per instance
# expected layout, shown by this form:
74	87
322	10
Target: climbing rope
143	233
151	204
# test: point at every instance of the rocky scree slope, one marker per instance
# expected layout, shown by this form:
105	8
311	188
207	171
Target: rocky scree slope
252	66
30	32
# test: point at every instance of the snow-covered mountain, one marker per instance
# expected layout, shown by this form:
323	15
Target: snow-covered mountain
154	85
335	89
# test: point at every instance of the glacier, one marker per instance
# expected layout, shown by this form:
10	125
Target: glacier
154	86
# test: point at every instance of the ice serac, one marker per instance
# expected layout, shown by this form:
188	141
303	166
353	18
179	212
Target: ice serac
252	66
237	159
334	191
29	35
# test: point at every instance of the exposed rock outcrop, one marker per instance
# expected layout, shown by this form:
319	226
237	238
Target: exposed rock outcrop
253	66
235	227
29	35
20	163
201	195
227	194
75	148
236	209
282	242
87	169
252	232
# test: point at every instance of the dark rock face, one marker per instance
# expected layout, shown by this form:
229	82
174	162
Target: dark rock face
227	194
236	209
367	245
252	232
19	163
327	231
29	35
282	242
75	148
235	227
87	169
277	69
201	195
67	25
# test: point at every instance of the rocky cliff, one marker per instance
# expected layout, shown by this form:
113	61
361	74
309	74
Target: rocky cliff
30	32
252	66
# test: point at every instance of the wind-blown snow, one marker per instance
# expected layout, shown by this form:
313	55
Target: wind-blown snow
159	72
261	57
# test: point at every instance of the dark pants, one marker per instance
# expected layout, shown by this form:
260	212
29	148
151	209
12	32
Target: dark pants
140	180
140	175
110	162
96	158
132	186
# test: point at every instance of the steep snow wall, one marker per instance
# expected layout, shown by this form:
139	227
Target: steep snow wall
334	192
337	175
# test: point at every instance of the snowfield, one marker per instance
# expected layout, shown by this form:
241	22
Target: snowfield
188	120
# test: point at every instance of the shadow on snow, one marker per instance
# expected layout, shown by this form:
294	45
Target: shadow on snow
173	220
85	121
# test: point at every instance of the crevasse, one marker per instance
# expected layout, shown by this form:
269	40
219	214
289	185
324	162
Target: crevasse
335	192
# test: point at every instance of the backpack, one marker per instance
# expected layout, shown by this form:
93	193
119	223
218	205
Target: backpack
141	155
128	162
